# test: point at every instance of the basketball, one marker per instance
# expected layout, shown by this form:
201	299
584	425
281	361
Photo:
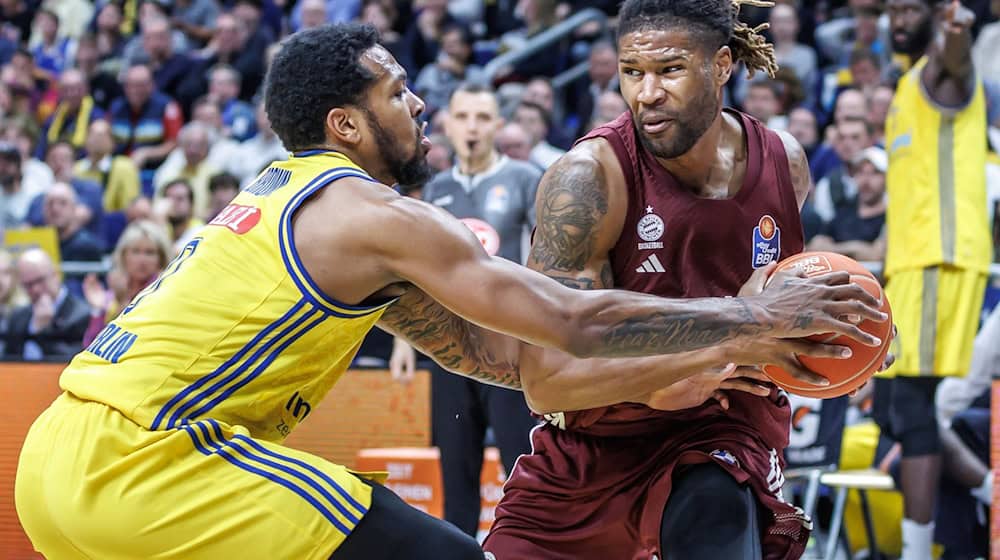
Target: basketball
847	374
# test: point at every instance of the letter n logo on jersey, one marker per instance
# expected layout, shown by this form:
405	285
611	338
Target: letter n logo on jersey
766	242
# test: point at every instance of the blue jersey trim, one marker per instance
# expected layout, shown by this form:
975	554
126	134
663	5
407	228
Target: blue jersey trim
222	368
316	152
225	448
290	255
260	368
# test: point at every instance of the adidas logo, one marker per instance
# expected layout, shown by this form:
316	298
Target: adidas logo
651	264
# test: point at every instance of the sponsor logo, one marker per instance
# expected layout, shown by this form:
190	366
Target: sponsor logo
238	218
487	235
497	200
812	265
650	230
766	242
651	264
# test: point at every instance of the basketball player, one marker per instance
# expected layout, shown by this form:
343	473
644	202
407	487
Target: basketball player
938	247
678	198
167	440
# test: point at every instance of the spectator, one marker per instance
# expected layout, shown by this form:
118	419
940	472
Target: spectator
90	210
858	232
878	112
222	189
837	189
986	47
141	254
441	155
514	142
312	13
193	144
75	243
788	52
250	13
602	77
52	324
537	15
420	43
158	49
836	39
233	44
145	122
258	152
610	106
165	41
196	19
17	14
117	175
103	85
224	153
763	102
535	121
15	194
866	70
11	295
803	126
74	16
34	171
175	209
238	118
850	104
540	91
75	112
495	196
52	52
382	15
334	11
110	40
437	81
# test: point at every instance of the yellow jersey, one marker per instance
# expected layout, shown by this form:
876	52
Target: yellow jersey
234	329
936	181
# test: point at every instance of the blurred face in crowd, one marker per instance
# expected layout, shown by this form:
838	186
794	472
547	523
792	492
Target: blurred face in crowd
222	85
439	156
141	259
852	137
866	14
156	40
109	19
880	103
248	14
59	207
87	57
532	122
851	104
6	277
10	171
221	197
609	106
194	144
603	64
871	183
138	86
802	125
453	44
784	24
911	23
473	121
37	275
47	26
99	140
72	87
865	73
761	102
514	142
229	33
209	115
60	159
540	92
180	204
314	13
374	14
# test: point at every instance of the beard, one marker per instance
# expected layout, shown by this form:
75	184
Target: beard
409	172
688	127
916	42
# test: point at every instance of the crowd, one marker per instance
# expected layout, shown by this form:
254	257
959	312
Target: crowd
126	125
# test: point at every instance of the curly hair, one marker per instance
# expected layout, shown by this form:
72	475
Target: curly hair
314	71
717	20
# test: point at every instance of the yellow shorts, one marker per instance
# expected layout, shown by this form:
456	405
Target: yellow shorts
93	484
937	313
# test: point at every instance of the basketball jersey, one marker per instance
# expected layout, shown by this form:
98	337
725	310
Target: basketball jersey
678	245
936	181
234	329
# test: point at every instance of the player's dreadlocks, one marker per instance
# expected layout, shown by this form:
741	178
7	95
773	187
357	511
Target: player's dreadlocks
717	19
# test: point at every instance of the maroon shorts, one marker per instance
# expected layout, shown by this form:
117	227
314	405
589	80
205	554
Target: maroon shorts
582	496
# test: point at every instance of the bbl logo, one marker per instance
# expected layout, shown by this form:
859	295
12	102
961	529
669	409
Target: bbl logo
766	242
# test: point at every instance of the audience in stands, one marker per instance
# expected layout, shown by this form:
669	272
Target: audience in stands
115	174
536	121
11	295
61	213
858	230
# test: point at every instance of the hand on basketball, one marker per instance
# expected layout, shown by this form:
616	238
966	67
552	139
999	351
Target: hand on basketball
712	384
825	303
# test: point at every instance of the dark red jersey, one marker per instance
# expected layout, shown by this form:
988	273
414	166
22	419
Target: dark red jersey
598	480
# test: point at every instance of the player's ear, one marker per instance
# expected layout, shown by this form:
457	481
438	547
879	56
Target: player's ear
344	125
722	65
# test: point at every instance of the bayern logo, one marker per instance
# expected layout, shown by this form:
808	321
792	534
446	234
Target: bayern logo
650	227
767	227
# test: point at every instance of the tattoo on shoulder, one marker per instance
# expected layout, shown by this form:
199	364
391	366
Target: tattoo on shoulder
452	341
570	203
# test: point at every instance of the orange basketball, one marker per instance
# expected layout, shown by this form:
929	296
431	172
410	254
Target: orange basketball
847	374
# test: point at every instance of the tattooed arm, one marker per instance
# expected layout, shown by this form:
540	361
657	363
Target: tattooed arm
798	167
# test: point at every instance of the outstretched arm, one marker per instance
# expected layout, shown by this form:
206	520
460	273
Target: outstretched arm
949	76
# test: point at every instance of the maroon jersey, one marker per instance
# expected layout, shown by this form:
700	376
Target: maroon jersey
597	481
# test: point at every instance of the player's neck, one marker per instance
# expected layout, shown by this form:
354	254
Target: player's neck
475	165
694	168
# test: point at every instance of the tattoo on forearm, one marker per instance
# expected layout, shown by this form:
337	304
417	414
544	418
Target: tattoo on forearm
575	283
452	341
571	203
670	332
